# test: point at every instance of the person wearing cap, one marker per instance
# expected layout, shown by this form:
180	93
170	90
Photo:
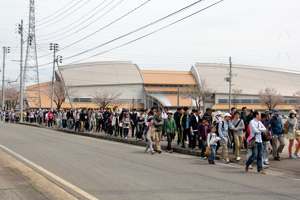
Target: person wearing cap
216	121
208	115
293	125
158	123
223	134
277	135
169	130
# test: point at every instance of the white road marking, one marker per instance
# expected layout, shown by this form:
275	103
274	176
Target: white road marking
73	187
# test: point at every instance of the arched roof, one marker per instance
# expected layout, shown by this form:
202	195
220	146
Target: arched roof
101	73
250	79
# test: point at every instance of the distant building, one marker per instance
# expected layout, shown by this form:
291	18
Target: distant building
147	88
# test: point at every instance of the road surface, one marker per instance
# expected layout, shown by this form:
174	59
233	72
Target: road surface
111	170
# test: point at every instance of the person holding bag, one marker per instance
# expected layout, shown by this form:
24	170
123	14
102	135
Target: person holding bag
256	130
293	133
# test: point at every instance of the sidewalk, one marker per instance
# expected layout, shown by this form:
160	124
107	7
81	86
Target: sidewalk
14	186
286	164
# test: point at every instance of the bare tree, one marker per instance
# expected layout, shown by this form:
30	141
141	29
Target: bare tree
59	93
270	97
11	96
105	97
235	93
197	93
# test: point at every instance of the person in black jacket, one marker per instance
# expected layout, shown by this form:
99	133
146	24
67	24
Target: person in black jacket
208	116
133	121
70	119
194	123
177	117
185	128
83	119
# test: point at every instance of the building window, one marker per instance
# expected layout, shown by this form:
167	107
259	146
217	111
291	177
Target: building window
245	100
223	100
256	101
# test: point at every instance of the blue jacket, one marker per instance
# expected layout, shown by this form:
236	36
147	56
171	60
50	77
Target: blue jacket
276	126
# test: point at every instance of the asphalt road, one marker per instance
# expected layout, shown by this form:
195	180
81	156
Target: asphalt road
110	170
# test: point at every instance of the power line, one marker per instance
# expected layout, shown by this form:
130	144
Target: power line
143	35
73	23
143	27
60	15
104	26
56	11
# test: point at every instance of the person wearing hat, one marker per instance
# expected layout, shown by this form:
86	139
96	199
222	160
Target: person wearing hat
223	134
277	134
169	130
293	125
216	121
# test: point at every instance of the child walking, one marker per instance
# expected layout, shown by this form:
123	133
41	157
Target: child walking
212	140
149	132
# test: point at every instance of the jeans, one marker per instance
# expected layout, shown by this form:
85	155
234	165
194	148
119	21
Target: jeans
116	128
257	152
70	124
125	131
276	149
212	153
139	131
91	125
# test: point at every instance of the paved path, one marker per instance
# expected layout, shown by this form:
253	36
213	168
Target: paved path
110	170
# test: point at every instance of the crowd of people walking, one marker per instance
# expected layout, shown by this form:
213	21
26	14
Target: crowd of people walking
260	134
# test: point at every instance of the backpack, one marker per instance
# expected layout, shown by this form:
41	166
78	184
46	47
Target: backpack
285	127
217	127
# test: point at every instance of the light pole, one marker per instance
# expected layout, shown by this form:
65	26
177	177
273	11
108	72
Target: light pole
6	50
20	31
54	47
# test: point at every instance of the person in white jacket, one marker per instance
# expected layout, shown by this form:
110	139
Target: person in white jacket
212	140
256	128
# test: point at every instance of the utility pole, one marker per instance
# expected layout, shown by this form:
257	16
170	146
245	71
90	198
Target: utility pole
20	31
178	96
6	50
62	78
230	78
53	47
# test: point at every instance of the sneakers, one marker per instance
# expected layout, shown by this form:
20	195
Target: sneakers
297	155
146	150
265	166
203	157
126	138
238	159
153	152
266	163
250	167
261	171
225	161
292	156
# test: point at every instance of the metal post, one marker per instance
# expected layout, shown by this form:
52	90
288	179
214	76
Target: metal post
178	96
230	77
3	75
21	73
54	58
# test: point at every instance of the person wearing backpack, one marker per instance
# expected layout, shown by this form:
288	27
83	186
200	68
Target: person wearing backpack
293	128
238	134
223	133
256	130
277	134
266	137
169	129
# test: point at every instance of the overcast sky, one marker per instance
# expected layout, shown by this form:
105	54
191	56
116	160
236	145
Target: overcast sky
262	33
